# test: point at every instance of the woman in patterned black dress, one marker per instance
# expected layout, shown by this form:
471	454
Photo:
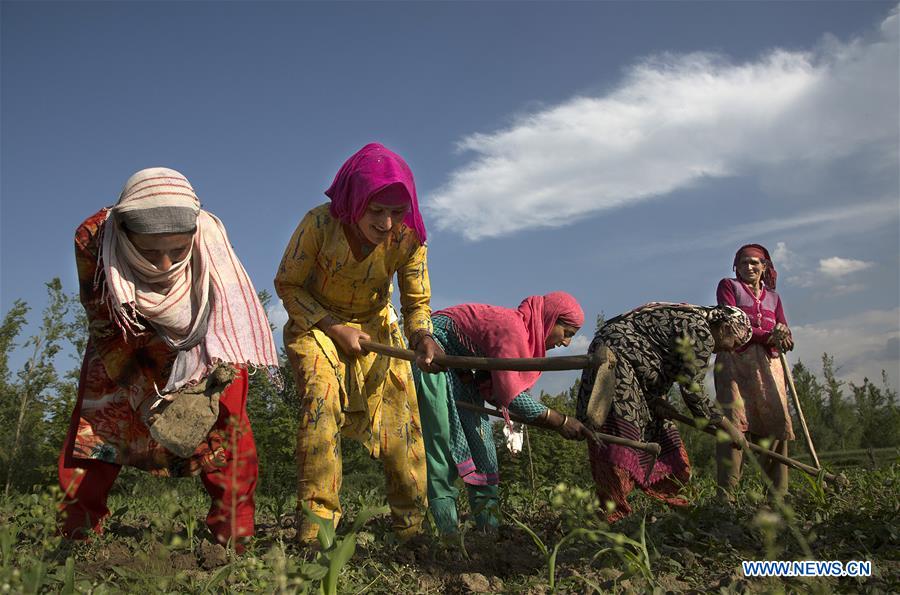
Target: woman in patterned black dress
655	346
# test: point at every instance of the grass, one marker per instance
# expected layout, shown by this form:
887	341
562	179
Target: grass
550	540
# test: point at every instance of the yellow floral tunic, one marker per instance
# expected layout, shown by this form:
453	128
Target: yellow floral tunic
372	398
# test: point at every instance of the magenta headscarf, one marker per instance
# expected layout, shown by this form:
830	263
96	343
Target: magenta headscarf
503	332
369	171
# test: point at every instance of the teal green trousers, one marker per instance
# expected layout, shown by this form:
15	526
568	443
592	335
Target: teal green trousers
434	404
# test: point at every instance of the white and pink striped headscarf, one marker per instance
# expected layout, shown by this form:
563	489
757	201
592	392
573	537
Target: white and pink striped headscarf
205	306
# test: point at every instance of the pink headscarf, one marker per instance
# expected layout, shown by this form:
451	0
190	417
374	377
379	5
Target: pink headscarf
367	172
503	332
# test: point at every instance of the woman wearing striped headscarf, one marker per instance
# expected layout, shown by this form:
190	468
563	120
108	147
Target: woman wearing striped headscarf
336	280
750	382
654	347
174	323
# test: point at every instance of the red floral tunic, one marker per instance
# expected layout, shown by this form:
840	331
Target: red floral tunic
119	374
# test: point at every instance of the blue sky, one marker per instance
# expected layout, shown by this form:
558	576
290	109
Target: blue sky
619	151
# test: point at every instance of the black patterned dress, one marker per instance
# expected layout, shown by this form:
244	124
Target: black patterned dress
655	347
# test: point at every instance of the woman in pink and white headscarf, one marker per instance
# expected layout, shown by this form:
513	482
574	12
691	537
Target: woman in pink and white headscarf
459	442
167	302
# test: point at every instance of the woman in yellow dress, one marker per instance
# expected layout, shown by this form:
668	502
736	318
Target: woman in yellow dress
335	281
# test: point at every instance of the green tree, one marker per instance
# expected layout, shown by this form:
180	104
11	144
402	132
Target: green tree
26	434
61	401
599	322
889	434
811	395
273	417
876	414
839	415
13	322
12	325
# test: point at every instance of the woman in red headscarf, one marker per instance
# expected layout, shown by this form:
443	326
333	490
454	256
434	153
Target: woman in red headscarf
750	382
335	281
459	442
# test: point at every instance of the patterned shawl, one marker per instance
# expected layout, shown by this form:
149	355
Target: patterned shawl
205	306
733	318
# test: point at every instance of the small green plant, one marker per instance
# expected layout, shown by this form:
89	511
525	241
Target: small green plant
698	545
166	519
68	587
7	539
578	508
633	552
551	554
277	505
188	516
335	552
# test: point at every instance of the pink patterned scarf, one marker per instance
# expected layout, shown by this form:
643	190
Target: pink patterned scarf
523	332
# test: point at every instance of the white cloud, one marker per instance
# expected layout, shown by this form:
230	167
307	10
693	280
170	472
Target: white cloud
848	288
673	121
784	258
556	382
277	315
829	272
862	345
805	279
831	222
840	267
578	346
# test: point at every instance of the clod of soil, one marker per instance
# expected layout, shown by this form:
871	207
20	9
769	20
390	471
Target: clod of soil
474	582
212	555
687	557
115	554
184	562
429	584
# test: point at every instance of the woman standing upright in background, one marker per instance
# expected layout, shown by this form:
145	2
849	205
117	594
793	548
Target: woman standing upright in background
750	382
